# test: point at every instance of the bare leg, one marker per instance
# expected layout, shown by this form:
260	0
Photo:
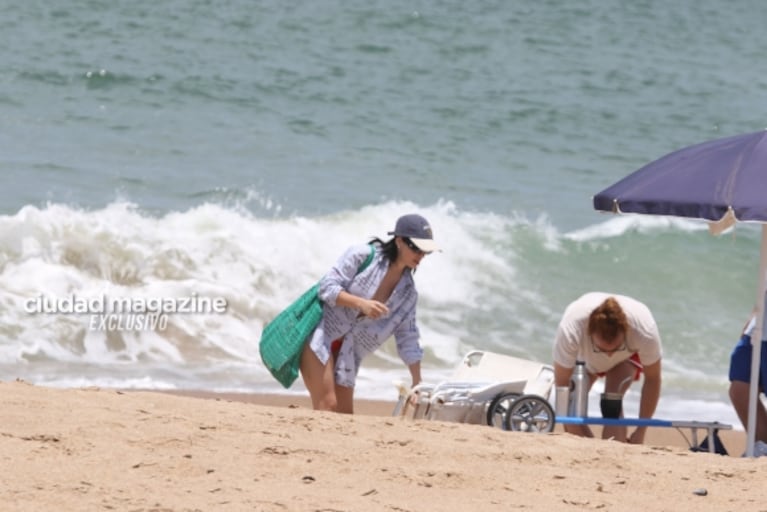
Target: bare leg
739	397
319	380
345	399
614	383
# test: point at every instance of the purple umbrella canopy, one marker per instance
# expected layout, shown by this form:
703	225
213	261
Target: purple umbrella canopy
722	181
703	181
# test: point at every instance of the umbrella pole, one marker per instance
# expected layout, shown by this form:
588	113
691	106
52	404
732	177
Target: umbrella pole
756	347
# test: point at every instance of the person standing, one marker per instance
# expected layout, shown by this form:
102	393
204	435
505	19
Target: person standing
617	338
361	311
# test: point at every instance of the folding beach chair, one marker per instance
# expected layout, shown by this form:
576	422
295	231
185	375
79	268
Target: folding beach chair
486	388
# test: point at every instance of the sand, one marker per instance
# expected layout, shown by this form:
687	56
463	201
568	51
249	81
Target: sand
100	449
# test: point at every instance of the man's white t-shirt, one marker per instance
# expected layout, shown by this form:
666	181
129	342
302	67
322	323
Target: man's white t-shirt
573	342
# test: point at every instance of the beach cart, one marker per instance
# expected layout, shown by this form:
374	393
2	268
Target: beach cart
513	394
486	388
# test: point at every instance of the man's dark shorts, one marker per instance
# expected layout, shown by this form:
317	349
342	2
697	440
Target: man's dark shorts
740	362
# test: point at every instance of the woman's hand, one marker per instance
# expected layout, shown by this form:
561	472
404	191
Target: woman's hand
373	309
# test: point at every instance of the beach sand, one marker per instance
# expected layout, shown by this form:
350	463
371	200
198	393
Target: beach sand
100	449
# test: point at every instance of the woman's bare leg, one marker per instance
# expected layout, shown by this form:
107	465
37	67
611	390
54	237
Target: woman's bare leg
344	399
319	380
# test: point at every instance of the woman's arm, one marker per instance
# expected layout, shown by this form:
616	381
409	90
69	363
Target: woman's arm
368	307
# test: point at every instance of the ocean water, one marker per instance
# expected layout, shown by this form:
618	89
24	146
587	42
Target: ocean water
206	150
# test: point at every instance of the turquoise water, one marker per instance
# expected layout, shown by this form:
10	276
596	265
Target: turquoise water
235	149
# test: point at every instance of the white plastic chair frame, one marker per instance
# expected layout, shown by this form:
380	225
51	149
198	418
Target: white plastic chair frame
486	388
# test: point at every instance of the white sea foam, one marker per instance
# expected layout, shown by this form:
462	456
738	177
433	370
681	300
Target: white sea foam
618	225
494	286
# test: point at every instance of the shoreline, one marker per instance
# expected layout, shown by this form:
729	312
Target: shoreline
734	440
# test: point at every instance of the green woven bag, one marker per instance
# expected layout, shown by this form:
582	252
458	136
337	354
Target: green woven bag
282	340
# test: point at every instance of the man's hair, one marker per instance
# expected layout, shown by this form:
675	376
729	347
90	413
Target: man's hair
608	320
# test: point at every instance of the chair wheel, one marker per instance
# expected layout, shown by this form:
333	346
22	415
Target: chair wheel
530	413
496	411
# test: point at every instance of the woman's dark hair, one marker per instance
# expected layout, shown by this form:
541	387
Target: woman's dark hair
389	248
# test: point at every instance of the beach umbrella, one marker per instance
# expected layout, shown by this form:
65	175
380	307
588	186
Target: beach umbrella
723	181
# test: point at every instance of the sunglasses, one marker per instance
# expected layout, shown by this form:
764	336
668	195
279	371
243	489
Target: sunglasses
413	247
600	350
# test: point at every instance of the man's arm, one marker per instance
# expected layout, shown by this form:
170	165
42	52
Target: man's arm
562	378
562	375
